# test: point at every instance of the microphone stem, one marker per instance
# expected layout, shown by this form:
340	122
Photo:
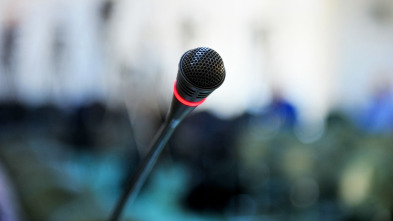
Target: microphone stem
145	167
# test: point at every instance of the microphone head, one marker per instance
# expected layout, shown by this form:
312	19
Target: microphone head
201	71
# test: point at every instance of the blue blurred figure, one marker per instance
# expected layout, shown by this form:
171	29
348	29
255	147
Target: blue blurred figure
282	110
378	116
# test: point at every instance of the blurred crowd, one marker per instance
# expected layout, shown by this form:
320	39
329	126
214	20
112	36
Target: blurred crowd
59	164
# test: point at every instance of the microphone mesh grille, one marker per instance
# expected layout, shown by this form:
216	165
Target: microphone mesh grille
204	68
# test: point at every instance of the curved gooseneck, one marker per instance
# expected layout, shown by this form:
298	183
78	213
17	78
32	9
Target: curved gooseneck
201	71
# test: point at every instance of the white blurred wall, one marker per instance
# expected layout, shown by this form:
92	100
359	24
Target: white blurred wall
320	53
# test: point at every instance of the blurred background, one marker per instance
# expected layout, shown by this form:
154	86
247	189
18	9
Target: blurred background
300	130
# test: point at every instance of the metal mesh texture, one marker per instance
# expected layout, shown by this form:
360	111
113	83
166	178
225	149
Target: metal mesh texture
203	67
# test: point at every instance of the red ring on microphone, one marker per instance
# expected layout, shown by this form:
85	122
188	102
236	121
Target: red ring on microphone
184	101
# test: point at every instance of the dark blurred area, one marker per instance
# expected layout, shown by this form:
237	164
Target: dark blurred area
72	164
301	130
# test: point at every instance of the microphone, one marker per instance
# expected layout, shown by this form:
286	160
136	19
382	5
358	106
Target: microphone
201	71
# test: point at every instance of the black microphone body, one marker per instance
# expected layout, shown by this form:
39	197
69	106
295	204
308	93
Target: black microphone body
201	71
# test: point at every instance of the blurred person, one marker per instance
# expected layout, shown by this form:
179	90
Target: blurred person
282	110
7	58
378	115
277	116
